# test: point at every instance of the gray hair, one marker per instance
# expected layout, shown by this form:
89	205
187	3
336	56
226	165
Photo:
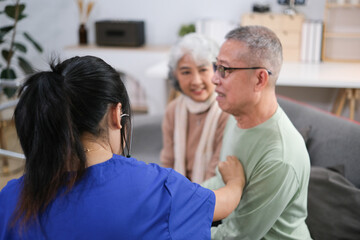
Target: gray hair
202	49
264	47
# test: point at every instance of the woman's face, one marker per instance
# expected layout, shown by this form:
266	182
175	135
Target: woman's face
194	80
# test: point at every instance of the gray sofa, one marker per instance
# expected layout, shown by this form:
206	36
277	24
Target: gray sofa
331	141
334	148
333	144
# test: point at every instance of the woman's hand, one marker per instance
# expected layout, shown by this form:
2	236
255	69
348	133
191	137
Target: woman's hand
232	170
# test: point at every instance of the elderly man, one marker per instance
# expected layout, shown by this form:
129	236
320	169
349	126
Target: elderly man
258	132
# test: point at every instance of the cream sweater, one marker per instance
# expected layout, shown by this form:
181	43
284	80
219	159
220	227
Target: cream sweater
195	125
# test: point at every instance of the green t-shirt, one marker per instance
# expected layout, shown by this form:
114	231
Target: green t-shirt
277	169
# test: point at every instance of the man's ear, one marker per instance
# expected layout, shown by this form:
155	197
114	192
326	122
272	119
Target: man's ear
262	79
115	116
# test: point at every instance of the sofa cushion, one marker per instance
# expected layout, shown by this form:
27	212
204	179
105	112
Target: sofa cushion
331	140
333	206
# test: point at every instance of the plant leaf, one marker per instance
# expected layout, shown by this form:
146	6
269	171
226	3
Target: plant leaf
20	47
25	66
35	44
185	29
8	74
6	54
9	92
22	16
5	30
11	9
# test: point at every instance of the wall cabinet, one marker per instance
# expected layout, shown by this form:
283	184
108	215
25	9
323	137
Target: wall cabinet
286	27
341	38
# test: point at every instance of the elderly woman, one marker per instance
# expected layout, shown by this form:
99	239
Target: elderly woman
193	123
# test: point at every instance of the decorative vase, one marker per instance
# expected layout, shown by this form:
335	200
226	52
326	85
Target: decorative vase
82	34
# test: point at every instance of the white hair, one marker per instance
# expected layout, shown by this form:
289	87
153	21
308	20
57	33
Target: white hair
201	48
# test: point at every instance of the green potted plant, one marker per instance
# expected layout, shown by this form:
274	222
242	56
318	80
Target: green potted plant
186	28
12	45
13	64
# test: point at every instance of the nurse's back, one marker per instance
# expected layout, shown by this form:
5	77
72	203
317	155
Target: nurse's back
121	198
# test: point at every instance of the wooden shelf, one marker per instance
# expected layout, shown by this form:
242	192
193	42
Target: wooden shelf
345	5
341	36
286	27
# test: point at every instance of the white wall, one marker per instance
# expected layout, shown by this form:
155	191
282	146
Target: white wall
54	23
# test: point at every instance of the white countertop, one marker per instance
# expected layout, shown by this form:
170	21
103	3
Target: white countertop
297	74
325	74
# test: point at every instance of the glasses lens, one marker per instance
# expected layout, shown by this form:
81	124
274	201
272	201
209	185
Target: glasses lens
220	69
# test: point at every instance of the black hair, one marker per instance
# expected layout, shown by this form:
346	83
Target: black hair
55	108
174	81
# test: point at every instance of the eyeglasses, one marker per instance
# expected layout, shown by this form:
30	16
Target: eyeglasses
222	70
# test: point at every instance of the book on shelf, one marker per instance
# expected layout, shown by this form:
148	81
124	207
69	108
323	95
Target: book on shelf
311	41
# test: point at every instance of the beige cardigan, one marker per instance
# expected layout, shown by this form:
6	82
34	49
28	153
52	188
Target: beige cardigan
195	125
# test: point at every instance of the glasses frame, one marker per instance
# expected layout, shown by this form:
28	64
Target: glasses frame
224	69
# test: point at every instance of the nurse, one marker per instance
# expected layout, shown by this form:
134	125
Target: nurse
74	123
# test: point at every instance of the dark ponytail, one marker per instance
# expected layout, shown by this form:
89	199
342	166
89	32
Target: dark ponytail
55	108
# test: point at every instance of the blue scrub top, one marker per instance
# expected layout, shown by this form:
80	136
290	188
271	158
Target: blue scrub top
121	198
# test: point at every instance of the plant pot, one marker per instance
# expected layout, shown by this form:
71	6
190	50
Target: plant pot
7	113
